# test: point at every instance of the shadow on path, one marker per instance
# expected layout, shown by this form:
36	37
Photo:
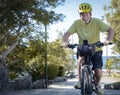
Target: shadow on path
61	88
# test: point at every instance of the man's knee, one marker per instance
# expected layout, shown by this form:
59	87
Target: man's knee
98	72
80	60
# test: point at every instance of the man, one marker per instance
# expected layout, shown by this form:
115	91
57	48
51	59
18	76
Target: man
88	28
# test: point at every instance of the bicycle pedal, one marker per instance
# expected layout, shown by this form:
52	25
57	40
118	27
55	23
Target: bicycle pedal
95	91
76	87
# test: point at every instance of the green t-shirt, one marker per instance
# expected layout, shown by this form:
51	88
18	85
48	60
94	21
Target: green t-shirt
90	31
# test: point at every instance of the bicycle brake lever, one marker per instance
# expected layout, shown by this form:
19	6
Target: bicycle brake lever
99	44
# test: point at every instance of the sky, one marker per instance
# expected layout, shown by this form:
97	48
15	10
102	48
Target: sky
70	10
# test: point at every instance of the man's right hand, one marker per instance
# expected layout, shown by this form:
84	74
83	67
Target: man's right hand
65	44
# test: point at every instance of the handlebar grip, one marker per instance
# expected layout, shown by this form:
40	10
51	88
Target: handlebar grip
99	44
71	46
110	43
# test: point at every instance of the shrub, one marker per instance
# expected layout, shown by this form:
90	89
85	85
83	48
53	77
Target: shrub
12	75
53	70
36	68
61	72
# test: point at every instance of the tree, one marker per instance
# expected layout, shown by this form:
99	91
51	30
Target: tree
109	66
17	18
112	15
60	56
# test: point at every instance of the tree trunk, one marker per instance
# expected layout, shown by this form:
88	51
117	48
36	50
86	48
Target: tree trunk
6	52
3	69
3	78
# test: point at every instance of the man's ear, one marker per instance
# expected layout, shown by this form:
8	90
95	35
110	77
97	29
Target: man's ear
90	14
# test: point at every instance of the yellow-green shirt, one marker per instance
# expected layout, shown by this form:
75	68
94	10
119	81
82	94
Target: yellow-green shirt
90	31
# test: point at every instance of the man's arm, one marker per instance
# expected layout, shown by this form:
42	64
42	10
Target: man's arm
65	39
109	36
66	36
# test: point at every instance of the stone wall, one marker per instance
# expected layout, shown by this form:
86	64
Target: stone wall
23	82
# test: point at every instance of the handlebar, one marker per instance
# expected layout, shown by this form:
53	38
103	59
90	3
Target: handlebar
98	44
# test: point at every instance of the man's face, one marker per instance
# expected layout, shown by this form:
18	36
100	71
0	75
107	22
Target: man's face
85	17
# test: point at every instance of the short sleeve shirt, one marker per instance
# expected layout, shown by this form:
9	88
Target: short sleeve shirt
90	31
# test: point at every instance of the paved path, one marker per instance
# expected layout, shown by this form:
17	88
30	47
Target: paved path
63	88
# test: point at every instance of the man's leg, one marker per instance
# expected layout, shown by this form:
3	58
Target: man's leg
98	75
97	66
80	59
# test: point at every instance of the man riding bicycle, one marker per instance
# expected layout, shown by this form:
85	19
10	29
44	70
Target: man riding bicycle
88	28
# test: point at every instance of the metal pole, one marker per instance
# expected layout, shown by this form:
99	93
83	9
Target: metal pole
107	52
107	48
72	58
46	67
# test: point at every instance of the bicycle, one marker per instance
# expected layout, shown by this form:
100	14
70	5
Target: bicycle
87	74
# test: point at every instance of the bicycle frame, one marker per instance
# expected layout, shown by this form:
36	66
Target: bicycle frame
86	69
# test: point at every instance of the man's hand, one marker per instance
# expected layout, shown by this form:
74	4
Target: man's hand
106	42
65	44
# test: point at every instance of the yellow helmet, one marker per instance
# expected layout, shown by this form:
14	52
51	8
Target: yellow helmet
84	7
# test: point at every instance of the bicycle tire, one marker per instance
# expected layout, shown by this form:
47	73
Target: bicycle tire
91	80
86	81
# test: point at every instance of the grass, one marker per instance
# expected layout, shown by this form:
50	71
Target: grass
113	75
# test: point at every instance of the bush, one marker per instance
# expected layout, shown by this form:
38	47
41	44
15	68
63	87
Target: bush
61	72
36	69
12	75
53	70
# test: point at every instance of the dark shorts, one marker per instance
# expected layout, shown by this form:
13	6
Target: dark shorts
96	59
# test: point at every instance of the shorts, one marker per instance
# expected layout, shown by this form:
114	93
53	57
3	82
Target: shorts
96	59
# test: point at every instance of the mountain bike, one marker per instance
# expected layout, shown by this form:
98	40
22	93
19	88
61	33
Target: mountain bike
87	74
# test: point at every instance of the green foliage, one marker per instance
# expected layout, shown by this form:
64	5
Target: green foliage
16	60
61	56
12	75
36	68
16	12
113	63
16	67
57	58
57	53
115	75
113	17
61	72
36	48
116	63
108	64
53	70
19	18
31	59
24	20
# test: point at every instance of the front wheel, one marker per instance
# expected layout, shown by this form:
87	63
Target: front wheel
86	81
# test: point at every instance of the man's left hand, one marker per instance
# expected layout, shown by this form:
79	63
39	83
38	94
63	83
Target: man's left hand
106	42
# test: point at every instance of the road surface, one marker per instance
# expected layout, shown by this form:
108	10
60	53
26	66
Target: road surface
63	88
